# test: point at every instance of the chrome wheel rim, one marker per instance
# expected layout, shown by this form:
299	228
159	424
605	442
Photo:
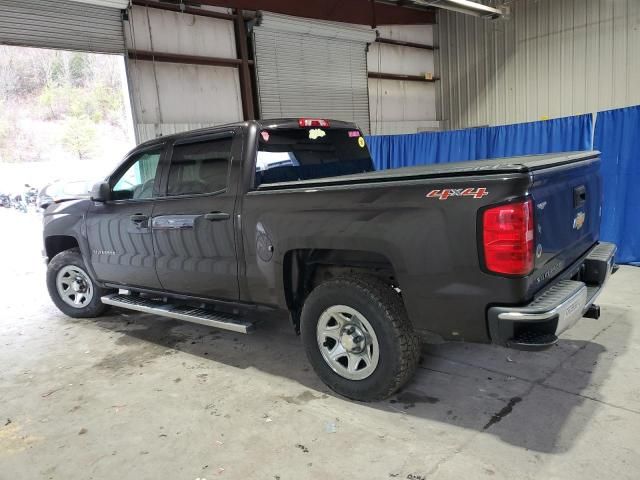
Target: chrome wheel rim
74	286
347	342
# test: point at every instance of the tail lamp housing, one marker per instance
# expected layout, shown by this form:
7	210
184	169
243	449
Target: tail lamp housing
508	238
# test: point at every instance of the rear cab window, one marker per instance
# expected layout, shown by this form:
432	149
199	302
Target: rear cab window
292	154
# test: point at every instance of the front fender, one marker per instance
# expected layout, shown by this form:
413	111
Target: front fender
67	219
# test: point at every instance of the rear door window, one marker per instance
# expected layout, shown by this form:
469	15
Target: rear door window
286	155
198	168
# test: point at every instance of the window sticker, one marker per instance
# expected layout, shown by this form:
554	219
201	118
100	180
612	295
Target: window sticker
265	135
361	142
354	134
315	133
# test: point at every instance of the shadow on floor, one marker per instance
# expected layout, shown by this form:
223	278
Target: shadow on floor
474	387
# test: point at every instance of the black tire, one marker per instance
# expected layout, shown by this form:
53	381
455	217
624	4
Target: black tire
93	308
399	346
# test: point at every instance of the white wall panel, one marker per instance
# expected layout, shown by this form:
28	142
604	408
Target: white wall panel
173	97
181	33
186	93
147	131
401	106
397	106
551	58
387	58
178	97
408	33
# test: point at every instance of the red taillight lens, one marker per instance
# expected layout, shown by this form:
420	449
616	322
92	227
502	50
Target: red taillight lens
313	122
507	238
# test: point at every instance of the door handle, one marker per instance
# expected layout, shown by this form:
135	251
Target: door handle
216	216
139	218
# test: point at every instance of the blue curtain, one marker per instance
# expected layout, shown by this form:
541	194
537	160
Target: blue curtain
558	135
617	136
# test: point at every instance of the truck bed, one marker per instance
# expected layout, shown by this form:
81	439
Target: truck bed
523	164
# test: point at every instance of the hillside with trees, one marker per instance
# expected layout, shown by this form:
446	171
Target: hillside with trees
58	106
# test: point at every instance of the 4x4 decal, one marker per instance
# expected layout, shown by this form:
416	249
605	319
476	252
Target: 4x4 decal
458	192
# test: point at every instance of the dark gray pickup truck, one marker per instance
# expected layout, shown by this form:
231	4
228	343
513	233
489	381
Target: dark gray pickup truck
234	225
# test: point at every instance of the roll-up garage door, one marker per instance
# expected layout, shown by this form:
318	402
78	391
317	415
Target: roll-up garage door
308	68
63	24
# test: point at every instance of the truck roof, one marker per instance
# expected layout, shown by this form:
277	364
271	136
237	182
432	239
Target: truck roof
271	123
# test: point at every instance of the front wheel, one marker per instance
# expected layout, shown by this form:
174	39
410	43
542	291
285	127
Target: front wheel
358	338
71	288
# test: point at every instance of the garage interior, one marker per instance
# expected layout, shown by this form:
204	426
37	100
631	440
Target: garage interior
138	396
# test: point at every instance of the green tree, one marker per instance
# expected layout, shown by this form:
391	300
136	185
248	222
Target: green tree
79	136
110	103
79	69
83	103
52	99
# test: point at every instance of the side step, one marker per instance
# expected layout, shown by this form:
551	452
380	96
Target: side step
179	312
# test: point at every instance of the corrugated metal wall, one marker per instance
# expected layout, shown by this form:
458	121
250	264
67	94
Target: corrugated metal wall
312	68
550	58
61	24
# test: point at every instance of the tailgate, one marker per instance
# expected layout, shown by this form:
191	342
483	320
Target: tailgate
567	201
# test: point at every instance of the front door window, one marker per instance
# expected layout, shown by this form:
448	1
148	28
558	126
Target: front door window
136	183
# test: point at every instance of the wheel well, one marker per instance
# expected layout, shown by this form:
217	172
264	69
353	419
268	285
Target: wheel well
304	269
59	243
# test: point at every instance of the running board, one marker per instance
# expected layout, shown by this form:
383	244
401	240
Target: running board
179	312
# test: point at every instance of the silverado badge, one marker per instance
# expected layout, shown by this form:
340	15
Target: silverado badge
578	222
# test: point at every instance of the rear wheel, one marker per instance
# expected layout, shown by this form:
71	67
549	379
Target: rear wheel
358	338
71	288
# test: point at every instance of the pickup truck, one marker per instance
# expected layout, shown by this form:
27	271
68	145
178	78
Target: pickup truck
288	219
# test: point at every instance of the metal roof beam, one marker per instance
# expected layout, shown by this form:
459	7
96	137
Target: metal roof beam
362	12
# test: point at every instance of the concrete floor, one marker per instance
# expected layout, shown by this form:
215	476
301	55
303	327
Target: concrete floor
131	396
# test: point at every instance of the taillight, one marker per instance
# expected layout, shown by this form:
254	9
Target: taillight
313	122
508	238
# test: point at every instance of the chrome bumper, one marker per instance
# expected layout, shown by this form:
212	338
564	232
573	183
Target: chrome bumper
556	308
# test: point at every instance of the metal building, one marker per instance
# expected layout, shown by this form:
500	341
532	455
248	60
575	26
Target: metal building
391	66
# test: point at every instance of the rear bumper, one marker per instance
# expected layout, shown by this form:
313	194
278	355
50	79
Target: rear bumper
558	307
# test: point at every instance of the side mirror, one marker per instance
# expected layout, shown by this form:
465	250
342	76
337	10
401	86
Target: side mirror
100	192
